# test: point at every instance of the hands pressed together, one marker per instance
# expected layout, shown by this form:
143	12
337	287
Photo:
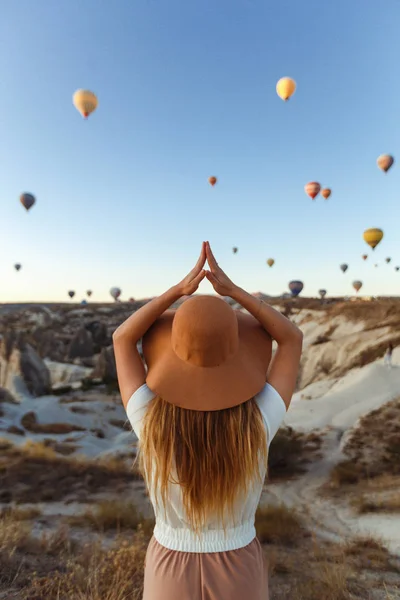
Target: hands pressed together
215	275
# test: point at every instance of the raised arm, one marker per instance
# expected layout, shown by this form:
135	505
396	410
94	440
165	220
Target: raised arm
284	367
130	368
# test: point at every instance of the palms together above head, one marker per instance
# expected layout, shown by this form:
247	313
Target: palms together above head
216	276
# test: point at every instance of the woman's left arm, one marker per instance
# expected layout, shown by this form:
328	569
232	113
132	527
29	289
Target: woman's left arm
130	368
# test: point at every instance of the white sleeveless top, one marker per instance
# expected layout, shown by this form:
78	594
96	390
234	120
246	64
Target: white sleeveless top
172	530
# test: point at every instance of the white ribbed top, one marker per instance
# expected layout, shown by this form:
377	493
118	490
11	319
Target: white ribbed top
172	530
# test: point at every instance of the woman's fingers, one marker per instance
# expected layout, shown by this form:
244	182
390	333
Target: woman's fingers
210	257
211	278
199	277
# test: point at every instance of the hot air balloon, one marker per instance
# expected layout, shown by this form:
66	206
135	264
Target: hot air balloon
212	180
344	267
17	267
376	265
373	236
285	88
357	285
364	256
312	189
325	193
131	299
397	268
384	162
322	293
234	249
84	302
89	293
388	260
27	200
296	287
270	262
115	293
71	293
85	102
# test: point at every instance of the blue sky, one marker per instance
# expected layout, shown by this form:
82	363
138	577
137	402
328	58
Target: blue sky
187	90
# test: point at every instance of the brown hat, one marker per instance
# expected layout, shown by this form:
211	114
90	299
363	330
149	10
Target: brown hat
206	356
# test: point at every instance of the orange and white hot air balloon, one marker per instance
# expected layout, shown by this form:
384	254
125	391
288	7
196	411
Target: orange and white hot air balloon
312	189
285	88
212	180
325	193
384	162
85	102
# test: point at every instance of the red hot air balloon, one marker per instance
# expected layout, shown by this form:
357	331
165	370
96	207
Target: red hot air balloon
212	181
325	193
312	189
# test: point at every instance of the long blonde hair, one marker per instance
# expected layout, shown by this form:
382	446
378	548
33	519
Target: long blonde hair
215	456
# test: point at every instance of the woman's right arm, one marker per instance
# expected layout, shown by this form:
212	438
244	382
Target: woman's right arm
284	367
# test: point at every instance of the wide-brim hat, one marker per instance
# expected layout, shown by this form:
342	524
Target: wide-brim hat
206	356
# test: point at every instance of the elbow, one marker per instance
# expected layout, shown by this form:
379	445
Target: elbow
298	336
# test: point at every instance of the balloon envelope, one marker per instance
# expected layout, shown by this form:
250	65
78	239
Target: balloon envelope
115	292
388	260
27	200
344	267
212	180
325	193
270	262
71	293
296	287
322	293
364	256
397	268
17	266
285	88
234	250
89	293
357	285
312	189
85	102
384	162
373	236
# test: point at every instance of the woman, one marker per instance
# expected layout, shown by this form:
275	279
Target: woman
387	359
205	416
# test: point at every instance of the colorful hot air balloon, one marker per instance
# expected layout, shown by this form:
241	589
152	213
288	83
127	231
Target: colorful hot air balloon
312	189
388	260
357	285
85	102
115	293
27	200
17	266
296	287
212	180
89	293
344	267
364	256
325	193
270	262
71	293
384	162
373	236
234	249
322	293
285	88
84	302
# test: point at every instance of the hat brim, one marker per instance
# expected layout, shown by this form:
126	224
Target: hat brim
185	385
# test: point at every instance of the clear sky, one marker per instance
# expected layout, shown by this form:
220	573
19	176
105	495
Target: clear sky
187	90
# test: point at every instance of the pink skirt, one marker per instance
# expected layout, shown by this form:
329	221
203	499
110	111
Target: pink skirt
234	575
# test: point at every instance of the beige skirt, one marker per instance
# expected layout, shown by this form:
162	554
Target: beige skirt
234	575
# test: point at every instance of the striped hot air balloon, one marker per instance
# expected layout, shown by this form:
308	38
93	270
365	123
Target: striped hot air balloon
296	287
312	189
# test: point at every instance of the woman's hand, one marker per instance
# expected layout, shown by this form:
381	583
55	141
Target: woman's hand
191	282
216	276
